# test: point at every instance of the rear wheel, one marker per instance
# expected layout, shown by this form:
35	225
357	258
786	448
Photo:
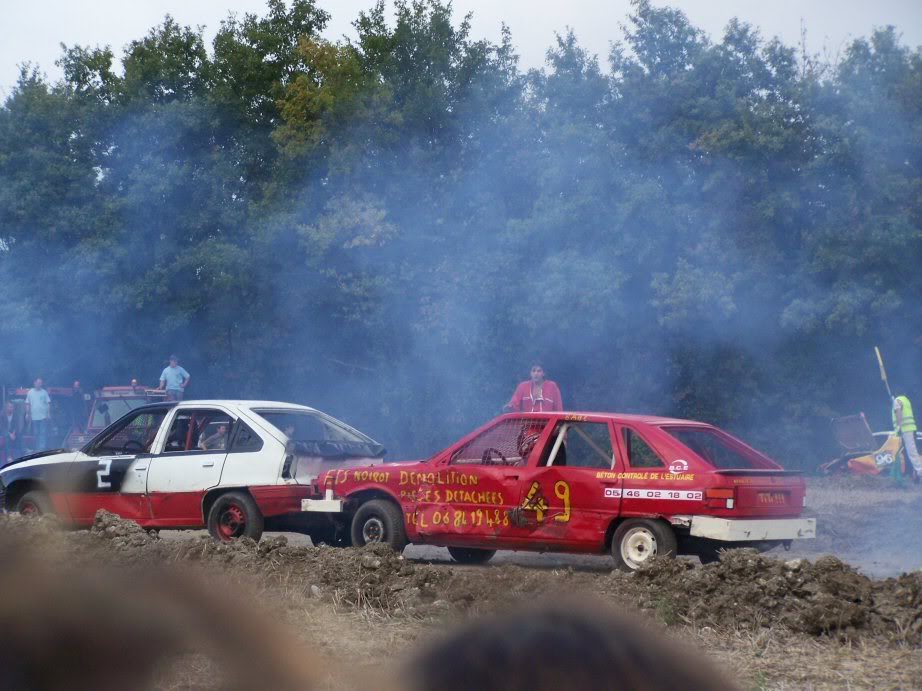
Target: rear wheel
235	515
471	555
379	520
34	503
638	540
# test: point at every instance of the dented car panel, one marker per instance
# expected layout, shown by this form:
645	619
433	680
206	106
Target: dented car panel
565	481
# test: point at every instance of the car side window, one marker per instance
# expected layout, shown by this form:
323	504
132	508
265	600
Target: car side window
132	435
639	453
245	439
581	445
508	443
198	430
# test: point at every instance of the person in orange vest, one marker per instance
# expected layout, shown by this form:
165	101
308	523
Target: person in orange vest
904	424
536	395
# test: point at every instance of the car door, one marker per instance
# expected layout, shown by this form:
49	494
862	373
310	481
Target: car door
570	497
111	473
470	495
189	463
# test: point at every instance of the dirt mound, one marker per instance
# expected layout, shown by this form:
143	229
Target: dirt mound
747	589
374	577
743	590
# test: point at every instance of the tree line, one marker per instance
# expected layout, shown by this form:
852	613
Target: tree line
393	227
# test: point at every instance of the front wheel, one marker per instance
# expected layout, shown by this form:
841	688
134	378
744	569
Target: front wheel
235	515
35	503
379	520
471	555
638	540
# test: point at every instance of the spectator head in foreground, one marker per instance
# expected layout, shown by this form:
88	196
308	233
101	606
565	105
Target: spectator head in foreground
96	626
567	644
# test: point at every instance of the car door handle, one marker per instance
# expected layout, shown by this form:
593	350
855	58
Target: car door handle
141	467
207	464
510	477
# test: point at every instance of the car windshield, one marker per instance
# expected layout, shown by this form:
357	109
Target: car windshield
720	449
107	410
316	434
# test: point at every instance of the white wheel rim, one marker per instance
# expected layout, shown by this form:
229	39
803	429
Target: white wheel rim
373	530
638	546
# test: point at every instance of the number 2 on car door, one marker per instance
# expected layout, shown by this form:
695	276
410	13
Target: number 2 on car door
102	475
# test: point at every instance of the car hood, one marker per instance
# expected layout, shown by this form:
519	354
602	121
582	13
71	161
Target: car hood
50	456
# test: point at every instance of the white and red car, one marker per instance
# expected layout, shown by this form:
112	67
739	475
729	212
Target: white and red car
235	467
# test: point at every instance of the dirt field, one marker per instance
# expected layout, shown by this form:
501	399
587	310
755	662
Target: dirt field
802	619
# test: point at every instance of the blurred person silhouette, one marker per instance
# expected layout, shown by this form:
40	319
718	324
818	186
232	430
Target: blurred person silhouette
174	379
38	412
536	394
566	644
10	433
105	627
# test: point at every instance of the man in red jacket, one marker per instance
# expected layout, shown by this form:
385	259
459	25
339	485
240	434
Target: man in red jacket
536	395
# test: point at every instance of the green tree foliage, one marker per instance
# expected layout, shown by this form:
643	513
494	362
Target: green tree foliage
391	227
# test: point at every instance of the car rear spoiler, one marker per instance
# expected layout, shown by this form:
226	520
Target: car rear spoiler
758	471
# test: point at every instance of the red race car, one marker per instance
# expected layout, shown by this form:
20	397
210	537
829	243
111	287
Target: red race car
632	485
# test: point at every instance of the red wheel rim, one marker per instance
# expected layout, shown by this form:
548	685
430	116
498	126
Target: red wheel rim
29	508
232	523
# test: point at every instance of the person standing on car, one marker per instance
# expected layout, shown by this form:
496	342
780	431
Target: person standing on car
904	424
10	433
174	379
536	395
38	410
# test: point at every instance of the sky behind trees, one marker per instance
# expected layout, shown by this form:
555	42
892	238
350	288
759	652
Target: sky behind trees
35	30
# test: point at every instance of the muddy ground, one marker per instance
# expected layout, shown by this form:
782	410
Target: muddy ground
844	611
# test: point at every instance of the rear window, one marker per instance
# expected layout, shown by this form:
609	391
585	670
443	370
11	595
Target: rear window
315	434
719	449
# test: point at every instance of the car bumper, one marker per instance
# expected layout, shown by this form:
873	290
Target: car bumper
326	505
748	530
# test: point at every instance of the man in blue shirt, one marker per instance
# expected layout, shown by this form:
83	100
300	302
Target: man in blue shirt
174	379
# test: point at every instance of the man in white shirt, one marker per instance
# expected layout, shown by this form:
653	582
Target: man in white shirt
38	410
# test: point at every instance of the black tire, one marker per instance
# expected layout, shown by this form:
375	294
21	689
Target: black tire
235	515
708	554
471	555
638	540
379	520
333	536
35	503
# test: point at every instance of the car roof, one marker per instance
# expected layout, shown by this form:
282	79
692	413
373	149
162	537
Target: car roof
229	403
237	403
616	417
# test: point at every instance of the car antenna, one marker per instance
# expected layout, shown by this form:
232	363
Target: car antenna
883	372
